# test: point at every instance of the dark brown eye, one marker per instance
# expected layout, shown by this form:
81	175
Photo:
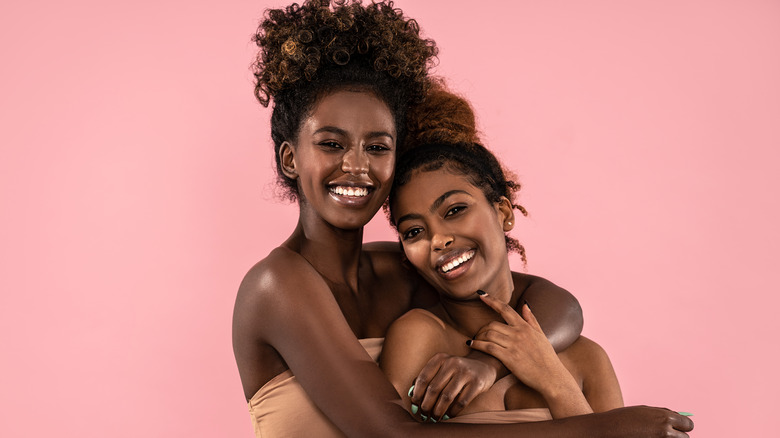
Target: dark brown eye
412	233
455	210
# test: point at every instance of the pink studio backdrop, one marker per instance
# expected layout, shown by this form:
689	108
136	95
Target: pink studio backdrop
136	188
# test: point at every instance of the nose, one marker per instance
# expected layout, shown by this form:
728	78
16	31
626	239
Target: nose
355	161
441	240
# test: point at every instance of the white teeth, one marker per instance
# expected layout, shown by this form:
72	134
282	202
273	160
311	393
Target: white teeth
349	191
457	262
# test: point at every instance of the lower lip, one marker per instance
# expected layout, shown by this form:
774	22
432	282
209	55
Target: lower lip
351	201
457	271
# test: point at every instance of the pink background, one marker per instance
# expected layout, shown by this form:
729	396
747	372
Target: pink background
136	190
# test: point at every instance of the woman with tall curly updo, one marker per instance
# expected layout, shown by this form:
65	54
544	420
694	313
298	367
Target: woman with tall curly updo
310	318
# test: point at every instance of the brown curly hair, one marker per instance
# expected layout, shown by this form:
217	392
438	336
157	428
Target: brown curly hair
442	134
317	47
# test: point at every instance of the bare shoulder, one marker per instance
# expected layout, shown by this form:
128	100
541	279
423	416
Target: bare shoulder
586	356
585	348
274	285
417	320
386	258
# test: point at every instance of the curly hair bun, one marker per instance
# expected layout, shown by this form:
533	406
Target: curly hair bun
442	117
300	41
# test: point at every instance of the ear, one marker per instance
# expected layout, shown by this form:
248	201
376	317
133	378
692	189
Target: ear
287	160
506	213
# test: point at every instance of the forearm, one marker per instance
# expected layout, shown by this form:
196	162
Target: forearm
564	397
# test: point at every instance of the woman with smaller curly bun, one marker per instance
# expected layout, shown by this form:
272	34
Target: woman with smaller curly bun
452	204
308	316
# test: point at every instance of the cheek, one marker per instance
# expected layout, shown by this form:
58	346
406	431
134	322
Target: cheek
383	169
415	254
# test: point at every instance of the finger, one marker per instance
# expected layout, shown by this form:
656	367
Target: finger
505	310
496	335
424	378
487	347
447	396
466	396
530	318
434	390
681	422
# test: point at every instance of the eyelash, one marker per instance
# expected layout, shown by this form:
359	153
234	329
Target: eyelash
455	210
369	148
331	144
407	235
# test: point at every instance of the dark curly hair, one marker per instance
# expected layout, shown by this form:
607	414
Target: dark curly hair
442	134
310	50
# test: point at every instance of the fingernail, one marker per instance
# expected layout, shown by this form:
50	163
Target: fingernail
411	390
433	419
445	417
686	414
481	292
415	408
424	417
468	342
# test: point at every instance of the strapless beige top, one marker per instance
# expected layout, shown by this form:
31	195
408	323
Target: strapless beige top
281	408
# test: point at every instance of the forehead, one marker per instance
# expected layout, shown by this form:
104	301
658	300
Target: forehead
425	186
351	108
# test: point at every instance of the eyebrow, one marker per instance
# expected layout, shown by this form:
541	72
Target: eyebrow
436	204
339	131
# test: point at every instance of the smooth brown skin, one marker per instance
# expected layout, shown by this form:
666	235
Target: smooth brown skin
443	216
310	299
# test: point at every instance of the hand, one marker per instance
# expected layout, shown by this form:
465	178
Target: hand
521	346
447	384
642	422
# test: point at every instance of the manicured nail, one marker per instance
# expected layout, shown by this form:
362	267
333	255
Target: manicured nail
424	417
411	390
468	342
445	417
685	414
481	292
415	408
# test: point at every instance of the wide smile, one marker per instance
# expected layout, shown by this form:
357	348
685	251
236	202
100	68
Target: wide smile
352	196
456	264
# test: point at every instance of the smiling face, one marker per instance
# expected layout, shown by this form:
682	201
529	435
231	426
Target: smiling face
344	158
453	235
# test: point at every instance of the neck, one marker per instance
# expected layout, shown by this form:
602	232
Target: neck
335	253
469	316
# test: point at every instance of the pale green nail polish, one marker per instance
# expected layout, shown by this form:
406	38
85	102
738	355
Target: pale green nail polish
415	408
686	414
410	391
424	417
445	417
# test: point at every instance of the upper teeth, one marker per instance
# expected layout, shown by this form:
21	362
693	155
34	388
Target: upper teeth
349	191
458	261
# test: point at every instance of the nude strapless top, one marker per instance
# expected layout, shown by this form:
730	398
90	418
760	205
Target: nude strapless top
281	408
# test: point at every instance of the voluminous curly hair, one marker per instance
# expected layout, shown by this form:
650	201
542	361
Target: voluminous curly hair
443	135
310	50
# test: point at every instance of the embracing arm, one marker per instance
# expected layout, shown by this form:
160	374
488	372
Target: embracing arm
299	318
558	311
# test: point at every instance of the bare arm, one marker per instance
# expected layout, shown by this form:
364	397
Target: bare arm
298	317
558	311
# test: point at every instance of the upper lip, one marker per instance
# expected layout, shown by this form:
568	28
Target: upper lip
450	256
361	184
